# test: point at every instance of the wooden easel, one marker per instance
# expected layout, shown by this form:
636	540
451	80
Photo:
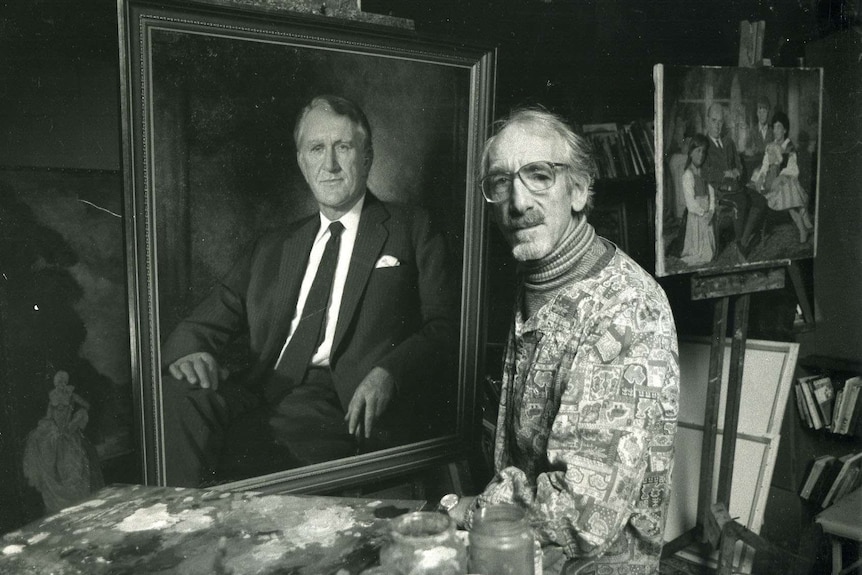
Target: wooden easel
714	525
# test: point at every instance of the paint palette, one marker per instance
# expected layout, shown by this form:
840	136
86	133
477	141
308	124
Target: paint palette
138	529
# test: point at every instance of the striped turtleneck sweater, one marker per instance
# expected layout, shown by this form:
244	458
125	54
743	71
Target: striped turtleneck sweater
578	254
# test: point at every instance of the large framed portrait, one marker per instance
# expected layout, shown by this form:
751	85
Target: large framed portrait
737	165
211	94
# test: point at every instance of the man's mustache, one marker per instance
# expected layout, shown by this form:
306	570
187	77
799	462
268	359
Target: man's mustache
527	220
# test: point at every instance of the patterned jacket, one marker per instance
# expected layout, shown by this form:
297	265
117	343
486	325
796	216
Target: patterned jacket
587	420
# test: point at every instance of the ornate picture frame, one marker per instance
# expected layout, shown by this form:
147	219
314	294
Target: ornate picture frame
210	94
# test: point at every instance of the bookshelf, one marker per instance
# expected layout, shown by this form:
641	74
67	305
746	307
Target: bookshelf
828	402
794	501
622	150
624	200
624	213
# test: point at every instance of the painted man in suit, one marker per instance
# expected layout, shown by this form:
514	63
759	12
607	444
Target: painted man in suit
759	136
723	171
370	347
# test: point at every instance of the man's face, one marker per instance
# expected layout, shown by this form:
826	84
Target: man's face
534	223
331	155
714	122
762	114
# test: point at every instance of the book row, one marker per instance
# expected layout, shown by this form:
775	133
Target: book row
622	150
830	478
830	403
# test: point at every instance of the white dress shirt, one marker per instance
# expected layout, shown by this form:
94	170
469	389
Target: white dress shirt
350	221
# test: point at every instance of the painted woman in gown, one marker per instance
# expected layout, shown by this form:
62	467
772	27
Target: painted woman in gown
777	178
58	460
699	244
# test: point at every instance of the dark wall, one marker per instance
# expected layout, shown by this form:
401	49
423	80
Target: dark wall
593	58
59	85
839	328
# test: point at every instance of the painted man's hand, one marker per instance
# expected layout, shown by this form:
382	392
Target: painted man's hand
369	401
199	368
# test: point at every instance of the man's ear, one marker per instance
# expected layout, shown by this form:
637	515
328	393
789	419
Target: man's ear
300	164
580	191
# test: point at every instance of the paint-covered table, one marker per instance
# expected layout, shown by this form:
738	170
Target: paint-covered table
136	529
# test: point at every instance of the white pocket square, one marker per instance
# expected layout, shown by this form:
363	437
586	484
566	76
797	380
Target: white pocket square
387	262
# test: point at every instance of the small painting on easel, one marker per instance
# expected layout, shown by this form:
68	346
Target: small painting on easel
737	158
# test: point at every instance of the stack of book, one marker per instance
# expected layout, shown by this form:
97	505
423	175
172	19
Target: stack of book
830	478
623	150
830	403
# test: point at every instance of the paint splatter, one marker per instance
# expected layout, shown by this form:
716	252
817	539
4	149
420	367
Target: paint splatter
155	517
84	505
158	517
193	520
322	526
38	537
295	524
267	553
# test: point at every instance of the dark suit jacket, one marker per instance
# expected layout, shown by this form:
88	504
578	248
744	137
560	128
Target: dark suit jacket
717	161
402	318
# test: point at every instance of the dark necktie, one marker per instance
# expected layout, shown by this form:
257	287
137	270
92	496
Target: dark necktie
310	331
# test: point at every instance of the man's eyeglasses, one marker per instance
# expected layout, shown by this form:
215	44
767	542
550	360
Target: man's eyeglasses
536	177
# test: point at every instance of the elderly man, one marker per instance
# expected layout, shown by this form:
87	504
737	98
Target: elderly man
723	171
590	389
347	313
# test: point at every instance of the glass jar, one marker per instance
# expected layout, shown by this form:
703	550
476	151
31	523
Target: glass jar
501	542
424	543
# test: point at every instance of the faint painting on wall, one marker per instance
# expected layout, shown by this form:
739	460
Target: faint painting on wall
65	377
737	156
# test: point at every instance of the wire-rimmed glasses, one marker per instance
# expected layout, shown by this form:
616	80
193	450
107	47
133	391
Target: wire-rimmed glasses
536	177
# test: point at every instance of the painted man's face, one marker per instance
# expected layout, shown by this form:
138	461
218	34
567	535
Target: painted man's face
333	158
715	122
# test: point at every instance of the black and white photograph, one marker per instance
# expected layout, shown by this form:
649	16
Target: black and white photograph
398	287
